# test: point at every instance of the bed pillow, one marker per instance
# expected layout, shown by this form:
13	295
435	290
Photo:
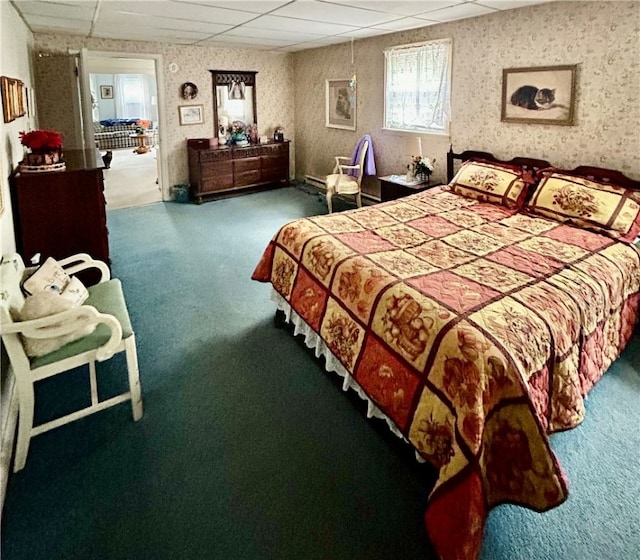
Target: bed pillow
494	182
589	204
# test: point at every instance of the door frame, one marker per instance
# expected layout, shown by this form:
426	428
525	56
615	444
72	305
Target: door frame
163	167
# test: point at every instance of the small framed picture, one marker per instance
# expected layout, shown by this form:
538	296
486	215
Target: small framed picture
543	95
106	92
341	105
191	114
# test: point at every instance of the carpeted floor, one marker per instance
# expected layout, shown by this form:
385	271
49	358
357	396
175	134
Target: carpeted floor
248	450
131	179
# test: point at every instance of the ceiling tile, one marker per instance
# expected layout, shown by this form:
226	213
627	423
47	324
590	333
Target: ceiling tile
276	23
405	23
457	12
328	13
400	7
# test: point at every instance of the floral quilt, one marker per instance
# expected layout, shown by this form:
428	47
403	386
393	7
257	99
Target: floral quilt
475	329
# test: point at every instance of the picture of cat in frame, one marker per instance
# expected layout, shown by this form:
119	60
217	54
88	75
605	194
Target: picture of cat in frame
543	95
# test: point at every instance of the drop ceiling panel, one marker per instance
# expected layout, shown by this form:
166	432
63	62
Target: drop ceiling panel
276	23
288	25
321	11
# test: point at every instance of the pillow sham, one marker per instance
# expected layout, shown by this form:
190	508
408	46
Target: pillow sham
494	182
602	207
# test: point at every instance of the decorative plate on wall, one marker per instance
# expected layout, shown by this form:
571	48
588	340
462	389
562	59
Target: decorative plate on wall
189	90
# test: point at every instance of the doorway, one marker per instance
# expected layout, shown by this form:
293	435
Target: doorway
124	95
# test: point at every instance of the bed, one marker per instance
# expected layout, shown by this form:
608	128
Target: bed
473	318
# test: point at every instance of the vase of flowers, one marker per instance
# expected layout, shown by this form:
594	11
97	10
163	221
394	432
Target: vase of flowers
45	150
420	168
238	132
141	126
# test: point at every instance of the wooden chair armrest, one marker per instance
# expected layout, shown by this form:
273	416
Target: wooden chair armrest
83	261
343	167
67	322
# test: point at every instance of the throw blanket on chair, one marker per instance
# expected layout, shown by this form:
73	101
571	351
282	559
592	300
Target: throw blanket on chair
369	159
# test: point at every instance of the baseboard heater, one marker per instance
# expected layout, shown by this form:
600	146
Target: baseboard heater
317	182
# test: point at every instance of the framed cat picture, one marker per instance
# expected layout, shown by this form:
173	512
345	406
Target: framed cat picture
539	95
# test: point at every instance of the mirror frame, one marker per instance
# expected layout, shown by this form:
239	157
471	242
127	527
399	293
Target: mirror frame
224	78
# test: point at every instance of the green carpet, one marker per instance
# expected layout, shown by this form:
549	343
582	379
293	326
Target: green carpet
247	449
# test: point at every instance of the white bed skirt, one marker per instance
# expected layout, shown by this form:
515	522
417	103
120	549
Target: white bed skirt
312	340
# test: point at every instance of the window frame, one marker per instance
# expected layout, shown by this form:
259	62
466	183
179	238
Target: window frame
423	130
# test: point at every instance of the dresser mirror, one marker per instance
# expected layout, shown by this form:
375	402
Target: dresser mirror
235	98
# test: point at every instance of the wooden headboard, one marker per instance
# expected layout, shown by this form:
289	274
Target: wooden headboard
531	164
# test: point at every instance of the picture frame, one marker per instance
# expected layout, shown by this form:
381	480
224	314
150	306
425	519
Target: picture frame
13	98
106	92
340	105
191	114
539	95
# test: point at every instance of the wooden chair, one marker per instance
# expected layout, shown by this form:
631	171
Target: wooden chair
339	182
105	308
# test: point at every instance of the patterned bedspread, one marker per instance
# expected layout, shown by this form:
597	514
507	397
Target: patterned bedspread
475	329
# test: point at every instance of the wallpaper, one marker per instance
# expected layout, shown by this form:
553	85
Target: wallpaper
275	85
601	38
15	52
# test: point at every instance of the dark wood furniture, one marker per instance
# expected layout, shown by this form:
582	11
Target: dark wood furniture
391	189
220	171
530	164
60	213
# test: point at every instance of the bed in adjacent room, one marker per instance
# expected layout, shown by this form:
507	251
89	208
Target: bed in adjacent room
474	318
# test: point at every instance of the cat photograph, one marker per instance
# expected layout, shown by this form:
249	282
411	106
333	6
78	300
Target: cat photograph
544	95
530	97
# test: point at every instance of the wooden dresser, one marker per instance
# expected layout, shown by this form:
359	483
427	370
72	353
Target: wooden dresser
219	171
60	213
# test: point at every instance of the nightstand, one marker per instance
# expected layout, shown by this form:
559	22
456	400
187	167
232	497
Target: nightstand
394	186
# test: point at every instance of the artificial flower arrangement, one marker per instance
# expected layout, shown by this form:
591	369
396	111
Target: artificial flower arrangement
41	140
45	151
237	128
141	126
421	167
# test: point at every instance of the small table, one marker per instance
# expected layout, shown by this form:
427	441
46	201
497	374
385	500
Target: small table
395	186
142	146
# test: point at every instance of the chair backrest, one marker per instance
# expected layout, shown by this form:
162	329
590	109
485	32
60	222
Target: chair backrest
363	155
12	272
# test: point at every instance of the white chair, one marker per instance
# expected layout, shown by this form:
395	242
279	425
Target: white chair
105	308
339	182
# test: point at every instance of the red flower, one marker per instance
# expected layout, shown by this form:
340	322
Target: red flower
41	140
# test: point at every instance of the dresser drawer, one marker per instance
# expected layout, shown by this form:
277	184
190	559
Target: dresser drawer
273	149
246	178
223	154
246	164
242	153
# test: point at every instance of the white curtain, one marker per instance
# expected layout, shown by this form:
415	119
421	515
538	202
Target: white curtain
417	87
132	95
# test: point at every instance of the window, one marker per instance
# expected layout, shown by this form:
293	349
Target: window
132	93
417	87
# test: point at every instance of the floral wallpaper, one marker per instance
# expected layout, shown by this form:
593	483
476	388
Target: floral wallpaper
275	85
601	38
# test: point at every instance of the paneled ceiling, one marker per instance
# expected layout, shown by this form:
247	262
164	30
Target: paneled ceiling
280	25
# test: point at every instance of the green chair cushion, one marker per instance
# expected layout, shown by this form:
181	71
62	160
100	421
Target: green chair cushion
106	297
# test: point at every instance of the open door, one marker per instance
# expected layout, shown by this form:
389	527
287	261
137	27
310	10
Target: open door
86	108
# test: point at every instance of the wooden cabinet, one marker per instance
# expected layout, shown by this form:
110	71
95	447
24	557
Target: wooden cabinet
394	186
219	171
60	213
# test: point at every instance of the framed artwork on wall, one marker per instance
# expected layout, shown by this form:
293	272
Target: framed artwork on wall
340	105
14	102
106	92
543	95
191	114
